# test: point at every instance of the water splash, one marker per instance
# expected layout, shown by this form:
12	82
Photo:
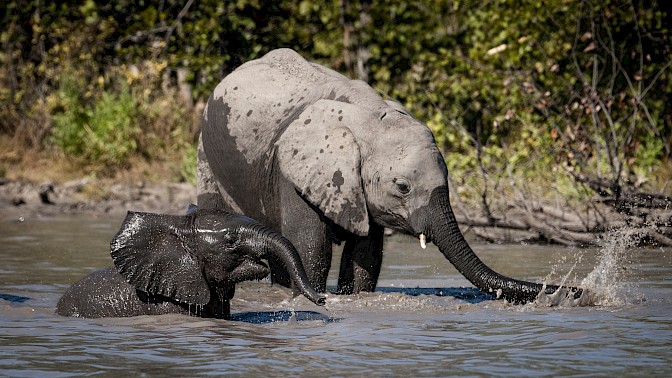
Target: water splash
607	279
606	284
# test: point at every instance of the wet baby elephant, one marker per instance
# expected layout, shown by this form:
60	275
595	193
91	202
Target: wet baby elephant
189	264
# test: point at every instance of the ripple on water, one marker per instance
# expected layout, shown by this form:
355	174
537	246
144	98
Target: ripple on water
421	322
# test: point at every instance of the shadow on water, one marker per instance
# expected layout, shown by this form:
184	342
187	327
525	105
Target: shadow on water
13	298
255	317
468	294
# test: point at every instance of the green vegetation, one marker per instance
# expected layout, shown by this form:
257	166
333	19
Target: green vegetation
103	132
553	92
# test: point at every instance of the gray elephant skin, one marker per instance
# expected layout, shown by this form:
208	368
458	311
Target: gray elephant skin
324	159
182	265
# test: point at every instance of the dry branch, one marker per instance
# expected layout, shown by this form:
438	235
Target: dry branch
532	221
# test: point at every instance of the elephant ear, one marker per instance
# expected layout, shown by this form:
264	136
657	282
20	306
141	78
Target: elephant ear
149	253
320	156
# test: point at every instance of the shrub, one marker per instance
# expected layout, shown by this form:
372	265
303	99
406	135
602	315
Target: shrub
103	132
188	165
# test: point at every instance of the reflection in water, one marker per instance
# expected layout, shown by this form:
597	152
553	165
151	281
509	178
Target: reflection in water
425	318
467	294
13	298
280	316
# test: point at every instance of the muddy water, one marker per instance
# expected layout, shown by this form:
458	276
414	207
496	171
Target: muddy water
425	319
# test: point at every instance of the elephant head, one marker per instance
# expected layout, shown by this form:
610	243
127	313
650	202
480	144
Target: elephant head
198	258
369	160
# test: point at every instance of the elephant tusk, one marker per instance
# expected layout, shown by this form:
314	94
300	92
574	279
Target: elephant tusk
423	241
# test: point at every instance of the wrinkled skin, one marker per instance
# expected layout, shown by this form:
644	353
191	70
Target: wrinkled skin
325	159
182	264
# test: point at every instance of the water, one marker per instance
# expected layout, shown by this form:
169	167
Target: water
425	320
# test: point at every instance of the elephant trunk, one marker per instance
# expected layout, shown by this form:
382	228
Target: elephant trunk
280	247
443	230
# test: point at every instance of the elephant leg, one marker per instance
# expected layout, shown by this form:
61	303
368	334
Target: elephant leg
302	225
346	273
209	196
361	261
210	193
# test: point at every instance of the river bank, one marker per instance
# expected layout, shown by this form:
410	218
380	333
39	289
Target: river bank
534	222
92	197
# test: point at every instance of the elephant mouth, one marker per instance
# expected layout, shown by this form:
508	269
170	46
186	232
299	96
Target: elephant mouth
249	270
400	224
424	239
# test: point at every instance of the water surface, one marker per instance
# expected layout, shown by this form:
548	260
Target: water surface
425	319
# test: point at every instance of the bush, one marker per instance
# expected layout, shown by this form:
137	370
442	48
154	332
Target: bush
188	165
101	133
507	87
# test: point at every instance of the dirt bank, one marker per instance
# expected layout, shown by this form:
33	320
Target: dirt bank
94	197
533	224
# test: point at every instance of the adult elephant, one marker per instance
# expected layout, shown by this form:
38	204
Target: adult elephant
182	265
325	159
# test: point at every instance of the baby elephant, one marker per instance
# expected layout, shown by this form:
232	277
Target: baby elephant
167	264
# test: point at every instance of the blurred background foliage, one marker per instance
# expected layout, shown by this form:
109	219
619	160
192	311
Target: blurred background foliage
557	91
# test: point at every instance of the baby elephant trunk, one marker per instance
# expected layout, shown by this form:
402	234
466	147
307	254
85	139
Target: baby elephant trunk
278	246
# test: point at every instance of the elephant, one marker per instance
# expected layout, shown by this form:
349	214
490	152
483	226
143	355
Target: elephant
182	264
324	159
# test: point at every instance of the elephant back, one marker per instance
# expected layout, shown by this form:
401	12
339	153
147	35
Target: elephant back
256	102
247	113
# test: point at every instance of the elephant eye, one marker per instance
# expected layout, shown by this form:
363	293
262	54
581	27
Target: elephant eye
228	240
403	186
